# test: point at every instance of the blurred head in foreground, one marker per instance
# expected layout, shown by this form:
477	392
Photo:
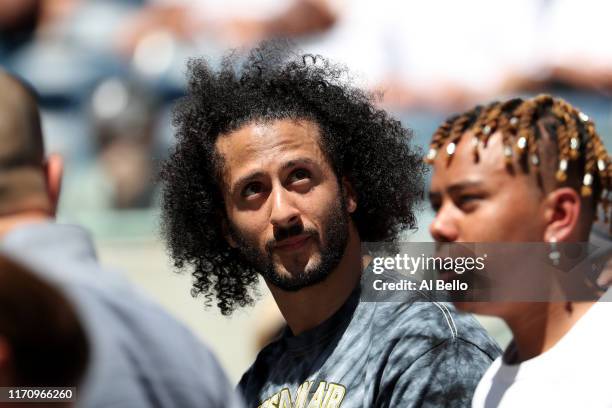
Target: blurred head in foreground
41	340
42	343
281	163
530	170
131	339
29	182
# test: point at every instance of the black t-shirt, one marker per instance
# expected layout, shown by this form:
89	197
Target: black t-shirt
416	353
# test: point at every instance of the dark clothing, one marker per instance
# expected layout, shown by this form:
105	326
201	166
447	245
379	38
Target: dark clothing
411	354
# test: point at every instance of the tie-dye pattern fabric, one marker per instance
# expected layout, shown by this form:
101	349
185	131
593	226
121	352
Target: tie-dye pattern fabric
411	354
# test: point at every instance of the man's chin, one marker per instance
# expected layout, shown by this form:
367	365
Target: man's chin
293	281
291	285
296	263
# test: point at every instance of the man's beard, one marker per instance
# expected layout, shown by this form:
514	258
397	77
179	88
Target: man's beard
335	235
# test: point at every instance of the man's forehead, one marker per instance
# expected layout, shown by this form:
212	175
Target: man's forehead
260	143
463	164
268	135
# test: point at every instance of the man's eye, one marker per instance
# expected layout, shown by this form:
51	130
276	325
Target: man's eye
252	189
299	174
468	200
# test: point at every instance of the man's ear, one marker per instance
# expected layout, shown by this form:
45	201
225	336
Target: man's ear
350	195
562	214
54	170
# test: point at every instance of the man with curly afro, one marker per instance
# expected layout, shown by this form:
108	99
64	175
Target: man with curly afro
282	169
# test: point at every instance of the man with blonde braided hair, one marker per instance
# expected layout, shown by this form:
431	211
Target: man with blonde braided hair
531	170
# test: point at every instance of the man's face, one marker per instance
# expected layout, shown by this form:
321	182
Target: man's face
285	208
485	201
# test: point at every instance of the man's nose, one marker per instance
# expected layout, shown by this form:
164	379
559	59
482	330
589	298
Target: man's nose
444	227
284	212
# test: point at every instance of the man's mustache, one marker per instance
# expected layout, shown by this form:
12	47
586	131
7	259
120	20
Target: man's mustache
282	233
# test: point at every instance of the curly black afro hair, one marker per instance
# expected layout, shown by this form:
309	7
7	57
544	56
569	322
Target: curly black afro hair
361	141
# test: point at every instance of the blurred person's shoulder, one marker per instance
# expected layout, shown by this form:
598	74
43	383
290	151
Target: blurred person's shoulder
46	241
63	253
141	352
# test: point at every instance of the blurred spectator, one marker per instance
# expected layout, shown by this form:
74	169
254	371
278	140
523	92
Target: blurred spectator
22	20
18	20
439	54
570	48
42	342
428	58
141	357
123	117
229	23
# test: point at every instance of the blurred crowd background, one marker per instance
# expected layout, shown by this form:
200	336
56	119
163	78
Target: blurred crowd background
109	71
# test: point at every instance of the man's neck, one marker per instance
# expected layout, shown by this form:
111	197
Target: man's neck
544	326
311	306
12	221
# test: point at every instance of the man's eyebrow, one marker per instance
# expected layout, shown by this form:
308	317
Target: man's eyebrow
246	179
454	188
257	173
295	162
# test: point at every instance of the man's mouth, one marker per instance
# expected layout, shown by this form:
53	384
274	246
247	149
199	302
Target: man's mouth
293	243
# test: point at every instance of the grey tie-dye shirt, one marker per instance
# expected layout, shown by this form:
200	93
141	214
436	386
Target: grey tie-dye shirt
410	354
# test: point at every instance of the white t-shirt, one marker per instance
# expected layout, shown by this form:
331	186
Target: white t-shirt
576	372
